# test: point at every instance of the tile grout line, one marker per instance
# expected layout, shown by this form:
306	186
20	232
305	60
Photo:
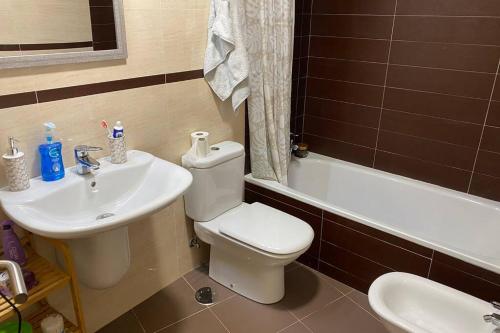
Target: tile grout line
430	265
178	321
365	310
406	40
395	87
408	15
138	320
484	126
218	319
307	68
297	90
380	240
327	278
405	65
298	321
320	238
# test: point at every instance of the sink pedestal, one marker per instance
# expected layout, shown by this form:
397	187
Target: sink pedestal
103	259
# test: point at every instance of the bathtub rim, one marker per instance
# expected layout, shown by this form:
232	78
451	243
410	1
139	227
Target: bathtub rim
305	198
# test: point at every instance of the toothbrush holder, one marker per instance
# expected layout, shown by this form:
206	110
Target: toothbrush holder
118	150
16	172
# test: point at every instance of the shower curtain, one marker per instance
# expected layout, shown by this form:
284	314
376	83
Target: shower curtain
269	39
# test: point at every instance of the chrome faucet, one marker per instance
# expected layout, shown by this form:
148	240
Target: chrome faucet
20	292
84	163
293	143
493	318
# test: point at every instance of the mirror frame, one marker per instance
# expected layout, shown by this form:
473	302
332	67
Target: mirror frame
76	57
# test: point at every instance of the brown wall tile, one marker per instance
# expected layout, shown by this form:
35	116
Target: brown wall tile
450	56
465	30
496	92
488	163
344	277
343	70
494	114
436	105
345	91
455	132
477	85
341	150
349	48
491	139
443	60
376	27
358	266
427	150
449	7
380	7
345	112
463	281
485	186
375	250
375	233
341	131
456	179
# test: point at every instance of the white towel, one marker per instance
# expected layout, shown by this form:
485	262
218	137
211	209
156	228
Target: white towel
226	60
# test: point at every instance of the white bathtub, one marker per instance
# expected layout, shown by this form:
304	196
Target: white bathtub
460	225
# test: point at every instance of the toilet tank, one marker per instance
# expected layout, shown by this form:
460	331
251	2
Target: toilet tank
217	181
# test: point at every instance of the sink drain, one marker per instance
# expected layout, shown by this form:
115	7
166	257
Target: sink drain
104	216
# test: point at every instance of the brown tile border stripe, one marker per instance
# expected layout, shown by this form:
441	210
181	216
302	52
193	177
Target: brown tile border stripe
10	47
50	95
8	101
99	88
44	46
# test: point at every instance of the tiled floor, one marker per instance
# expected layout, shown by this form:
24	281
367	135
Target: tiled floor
313	303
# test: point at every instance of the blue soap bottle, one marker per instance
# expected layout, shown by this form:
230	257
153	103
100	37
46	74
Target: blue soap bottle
51	161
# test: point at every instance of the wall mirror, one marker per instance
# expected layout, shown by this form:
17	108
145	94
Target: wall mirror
47	32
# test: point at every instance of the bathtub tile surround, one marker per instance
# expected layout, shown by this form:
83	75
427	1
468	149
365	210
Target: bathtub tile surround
409	87
166	40
356	254
313	303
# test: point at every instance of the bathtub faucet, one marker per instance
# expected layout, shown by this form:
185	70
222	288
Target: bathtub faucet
493	318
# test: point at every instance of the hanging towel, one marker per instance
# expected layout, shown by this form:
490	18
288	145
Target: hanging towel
226	60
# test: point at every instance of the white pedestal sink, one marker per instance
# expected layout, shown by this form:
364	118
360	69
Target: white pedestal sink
93	211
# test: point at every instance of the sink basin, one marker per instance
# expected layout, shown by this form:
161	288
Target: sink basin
92	211
410	303
80	206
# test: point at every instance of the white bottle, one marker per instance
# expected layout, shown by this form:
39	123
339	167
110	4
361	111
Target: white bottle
118	130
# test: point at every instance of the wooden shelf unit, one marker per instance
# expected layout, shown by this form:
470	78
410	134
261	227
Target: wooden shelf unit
50	278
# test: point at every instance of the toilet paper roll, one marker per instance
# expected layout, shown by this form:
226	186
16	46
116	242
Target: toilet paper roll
53	324
200	146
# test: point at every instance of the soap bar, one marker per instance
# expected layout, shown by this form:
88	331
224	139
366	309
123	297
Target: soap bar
53	324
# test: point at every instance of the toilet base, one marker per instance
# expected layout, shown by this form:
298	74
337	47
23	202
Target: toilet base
245	276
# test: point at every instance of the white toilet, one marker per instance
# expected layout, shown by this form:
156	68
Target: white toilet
250	244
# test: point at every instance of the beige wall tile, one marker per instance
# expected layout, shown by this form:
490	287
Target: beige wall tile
162	36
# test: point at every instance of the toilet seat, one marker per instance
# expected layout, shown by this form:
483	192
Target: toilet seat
265	228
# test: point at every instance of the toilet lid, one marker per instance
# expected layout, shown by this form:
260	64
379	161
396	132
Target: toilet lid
266	228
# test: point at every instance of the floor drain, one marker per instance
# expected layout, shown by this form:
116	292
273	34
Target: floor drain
104	216
204	296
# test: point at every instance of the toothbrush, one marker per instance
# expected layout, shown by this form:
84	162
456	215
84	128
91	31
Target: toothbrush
104	124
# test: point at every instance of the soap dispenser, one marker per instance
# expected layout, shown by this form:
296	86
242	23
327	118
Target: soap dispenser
15	168
51	161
